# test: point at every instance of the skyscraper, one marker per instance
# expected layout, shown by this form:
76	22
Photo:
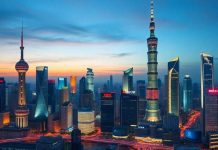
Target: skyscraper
127	80
140	90
41	111
2	95
62	82
187	93
51	96
107	111
152	92
207	82
90	80
111	83
173	86
22	111
73	84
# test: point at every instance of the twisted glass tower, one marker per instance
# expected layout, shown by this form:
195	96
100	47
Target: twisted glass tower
21	112
152	92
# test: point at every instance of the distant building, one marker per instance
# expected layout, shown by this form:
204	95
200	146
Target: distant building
2	95
86	100
50	143
90	80
128	110
73	84
141	88
62	82
141	93
187	93
111	84
51	96
173	87
107	112
128	80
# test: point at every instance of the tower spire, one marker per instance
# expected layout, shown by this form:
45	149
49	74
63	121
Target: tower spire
21	42
152	23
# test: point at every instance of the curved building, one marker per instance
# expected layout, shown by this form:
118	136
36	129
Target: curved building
90	80
152	92
187	93
127	80
173	86
22	111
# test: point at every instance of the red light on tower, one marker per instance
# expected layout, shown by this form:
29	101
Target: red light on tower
2	81
107	95
213	91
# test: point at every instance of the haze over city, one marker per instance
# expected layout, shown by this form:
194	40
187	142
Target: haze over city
108	36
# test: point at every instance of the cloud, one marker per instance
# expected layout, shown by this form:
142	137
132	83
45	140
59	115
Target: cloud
121	55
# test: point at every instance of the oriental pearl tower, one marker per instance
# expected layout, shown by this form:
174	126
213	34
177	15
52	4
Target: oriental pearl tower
22	111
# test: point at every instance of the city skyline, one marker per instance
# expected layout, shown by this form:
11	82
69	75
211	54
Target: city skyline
111	44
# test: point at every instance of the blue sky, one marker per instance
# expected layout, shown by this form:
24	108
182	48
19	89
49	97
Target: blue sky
107	35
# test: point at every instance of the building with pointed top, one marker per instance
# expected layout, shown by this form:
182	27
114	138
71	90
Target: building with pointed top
127	80
152	91
22	111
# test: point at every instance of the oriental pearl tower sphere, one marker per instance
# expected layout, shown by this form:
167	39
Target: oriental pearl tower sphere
22	111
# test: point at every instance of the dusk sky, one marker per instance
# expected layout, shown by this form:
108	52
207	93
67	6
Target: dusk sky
107	35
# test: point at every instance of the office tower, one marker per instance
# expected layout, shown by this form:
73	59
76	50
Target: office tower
212	140
173	86
140	92
152	93
22	111
87	101
111	83
66	110
62	82
41	112
127	80
140	88
207	82
107	111
2	95
76	143
73	84
51	96
187	93
82	88
210	119
12	94
196	94
90	80
128	110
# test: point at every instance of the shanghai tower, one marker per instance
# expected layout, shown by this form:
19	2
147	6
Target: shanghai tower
152	113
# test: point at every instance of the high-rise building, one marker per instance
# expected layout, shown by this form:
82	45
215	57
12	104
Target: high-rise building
86	101
173	87
22	111
76	140
2	95
187	93
127	80
107	111
111	83
86	121
207	82
210	121
62	82
128	110
152	93
90	80
51	96
140	92
73	84
41	111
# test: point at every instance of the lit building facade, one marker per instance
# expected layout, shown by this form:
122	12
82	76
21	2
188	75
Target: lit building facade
62	82
152	93
90	80
73	84
173	87
41	111
86	121
107	111
127	80
187	93
22	111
